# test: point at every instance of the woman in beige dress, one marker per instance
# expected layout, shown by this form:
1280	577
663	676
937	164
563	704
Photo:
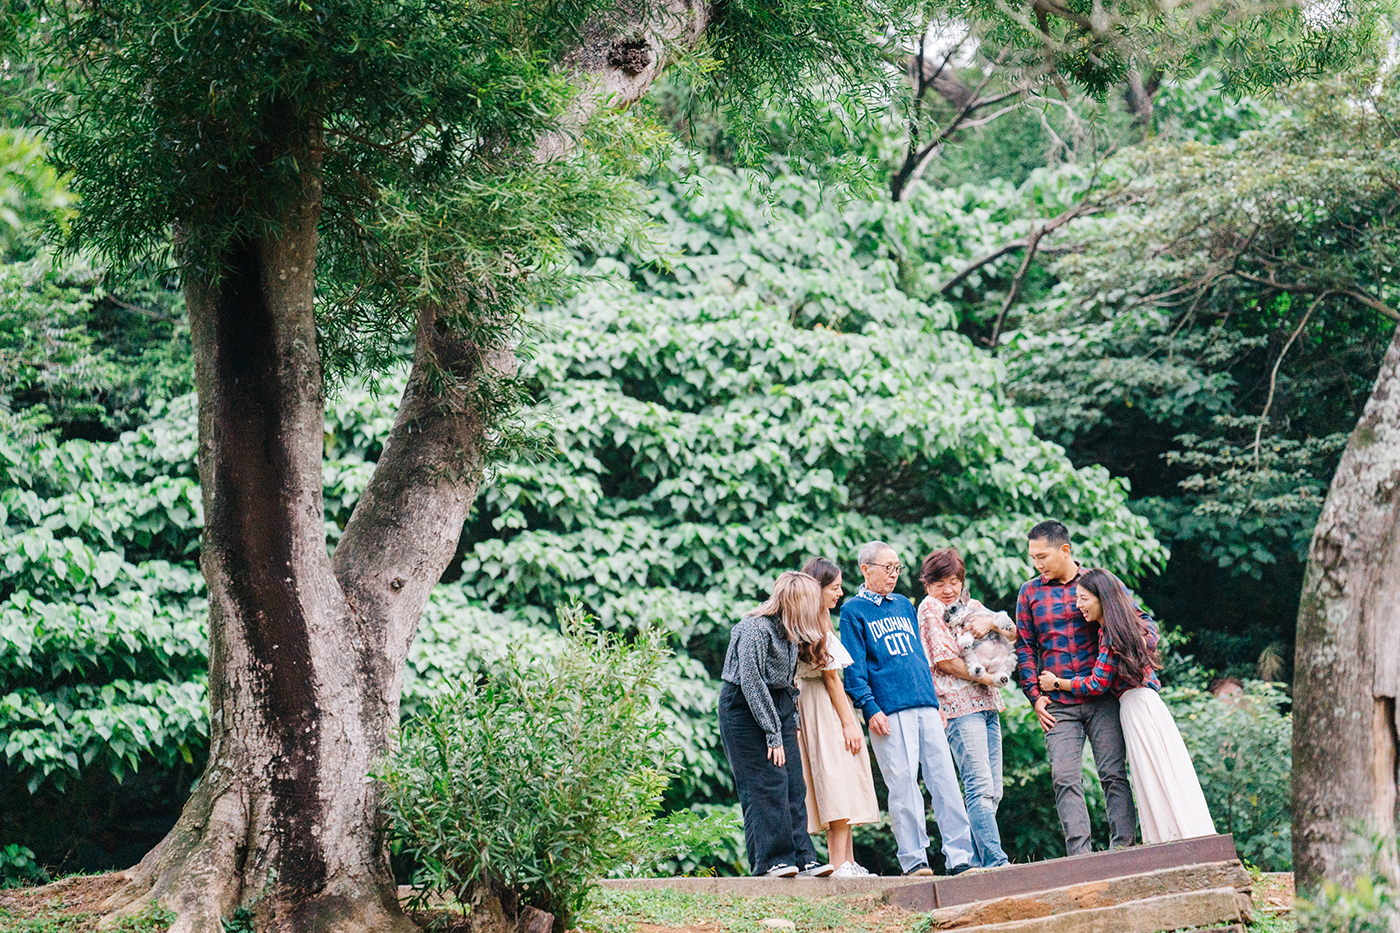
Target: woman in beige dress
840	786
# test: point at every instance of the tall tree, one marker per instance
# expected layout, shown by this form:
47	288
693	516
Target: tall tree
340	175
1346	729
1346	739
417	165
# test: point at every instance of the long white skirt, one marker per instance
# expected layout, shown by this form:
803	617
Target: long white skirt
1170	804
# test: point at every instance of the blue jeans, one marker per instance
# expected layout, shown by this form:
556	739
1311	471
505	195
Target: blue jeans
975	740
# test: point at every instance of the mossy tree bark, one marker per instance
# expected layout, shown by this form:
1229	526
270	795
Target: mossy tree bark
1347	667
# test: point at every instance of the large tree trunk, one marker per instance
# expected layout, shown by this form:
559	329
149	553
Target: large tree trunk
283	822
306	651
1348	657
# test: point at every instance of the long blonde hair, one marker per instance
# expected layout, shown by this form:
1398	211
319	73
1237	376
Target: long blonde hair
797	600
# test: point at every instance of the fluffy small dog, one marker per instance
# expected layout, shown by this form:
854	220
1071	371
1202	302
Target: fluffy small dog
993	653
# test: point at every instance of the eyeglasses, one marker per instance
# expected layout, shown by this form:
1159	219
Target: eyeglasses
889	568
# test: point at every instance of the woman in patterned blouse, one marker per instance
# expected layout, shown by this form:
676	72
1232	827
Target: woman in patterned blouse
971	706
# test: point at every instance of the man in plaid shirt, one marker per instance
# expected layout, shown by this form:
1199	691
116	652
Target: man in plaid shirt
1052	634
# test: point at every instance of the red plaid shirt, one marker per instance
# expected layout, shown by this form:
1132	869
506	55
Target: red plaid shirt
1107	678
1053	635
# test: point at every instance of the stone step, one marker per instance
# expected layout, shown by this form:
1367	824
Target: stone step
1055	873
1092	895
1215	907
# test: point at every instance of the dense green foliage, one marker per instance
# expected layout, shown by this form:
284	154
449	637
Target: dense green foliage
768	394
1243	750
18	868
780	374
72	349
529	783
1215	336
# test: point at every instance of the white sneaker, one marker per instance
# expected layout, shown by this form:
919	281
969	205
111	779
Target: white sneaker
849	870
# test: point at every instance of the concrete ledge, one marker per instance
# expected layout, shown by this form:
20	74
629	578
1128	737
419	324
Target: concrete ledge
763	887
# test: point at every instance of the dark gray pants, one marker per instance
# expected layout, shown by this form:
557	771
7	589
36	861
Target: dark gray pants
1096	720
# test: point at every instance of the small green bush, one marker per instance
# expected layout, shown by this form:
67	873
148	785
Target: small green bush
1370	904
706	840
527	784
17	867
1243	752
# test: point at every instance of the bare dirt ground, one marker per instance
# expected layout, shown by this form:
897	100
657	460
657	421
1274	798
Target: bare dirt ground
75	898
1275	895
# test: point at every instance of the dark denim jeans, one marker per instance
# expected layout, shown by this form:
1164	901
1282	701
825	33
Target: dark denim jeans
1096	720
774	799
975	740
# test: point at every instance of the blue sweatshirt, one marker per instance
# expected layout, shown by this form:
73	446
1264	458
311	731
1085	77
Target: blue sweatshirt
889	670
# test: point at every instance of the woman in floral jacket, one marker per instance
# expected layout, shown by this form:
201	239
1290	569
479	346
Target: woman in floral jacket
971	706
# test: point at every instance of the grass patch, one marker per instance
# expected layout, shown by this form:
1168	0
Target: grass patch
623	911
53	918
1279	923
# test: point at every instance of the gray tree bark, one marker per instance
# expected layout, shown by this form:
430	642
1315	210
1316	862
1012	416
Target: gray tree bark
1347	668
306	651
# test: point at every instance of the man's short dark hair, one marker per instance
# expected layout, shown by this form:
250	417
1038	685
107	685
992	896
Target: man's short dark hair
1051	532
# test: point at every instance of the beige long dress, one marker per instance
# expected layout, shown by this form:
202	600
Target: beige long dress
840	785
1169	799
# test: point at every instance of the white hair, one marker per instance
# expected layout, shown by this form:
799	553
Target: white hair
869	552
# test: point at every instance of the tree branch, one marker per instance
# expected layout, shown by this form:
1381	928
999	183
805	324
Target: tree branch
967	101
1031	242
1375	304
1273	375
1082	209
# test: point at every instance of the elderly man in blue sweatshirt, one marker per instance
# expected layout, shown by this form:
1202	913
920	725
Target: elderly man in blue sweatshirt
890	681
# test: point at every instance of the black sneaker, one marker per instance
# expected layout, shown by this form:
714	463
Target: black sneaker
816	870
781	871
921	871
959	869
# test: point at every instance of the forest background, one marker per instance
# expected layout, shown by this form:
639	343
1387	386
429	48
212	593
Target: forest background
1154	314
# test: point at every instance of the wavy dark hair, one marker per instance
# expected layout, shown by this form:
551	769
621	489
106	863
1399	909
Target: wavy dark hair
825	572
1122	627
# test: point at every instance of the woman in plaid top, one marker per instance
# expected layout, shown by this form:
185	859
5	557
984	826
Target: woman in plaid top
971	706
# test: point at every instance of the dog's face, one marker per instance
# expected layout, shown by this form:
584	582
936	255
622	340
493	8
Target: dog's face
960	616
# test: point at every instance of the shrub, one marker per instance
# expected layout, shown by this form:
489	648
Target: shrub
1243	752
17	867
708	839
522	786
1369	905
